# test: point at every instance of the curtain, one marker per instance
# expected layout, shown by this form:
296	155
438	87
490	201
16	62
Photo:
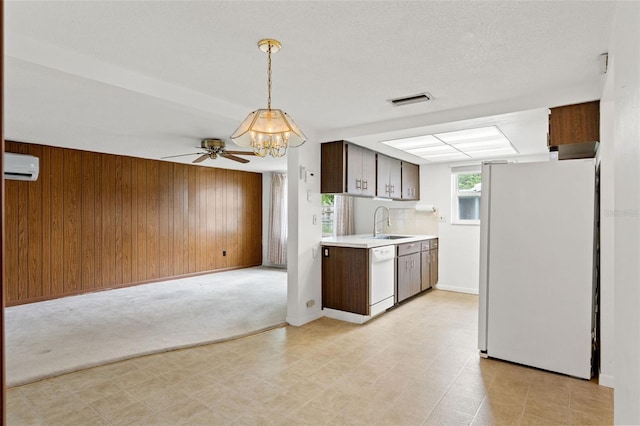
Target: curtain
278	220
345	221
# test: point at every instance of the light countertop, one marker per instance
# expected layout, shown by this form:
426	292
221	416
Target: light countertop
367	240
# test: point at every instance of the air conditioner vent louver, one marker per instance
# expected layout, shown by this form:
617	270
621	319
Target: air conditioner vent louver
420	97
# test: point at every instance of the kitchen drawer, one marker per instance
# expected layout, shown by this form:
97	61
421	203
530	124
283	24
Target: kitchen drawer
408	248
425	245
434	243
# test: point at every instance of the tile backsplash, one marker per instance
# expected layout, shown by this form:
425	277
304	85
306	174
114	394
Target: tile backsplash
411	221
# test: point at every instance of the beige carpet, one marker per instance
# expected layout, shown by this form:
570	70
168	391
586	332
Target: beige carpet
50	338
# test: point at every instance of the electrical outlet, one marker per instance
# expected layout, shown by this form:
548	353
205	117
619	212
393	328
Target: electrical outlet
310	303
443	218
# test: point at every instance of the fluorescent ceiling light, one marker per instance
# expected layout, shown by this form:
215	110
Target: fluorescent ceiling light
483	145
482	142
470	134
441	149
415	142
447	157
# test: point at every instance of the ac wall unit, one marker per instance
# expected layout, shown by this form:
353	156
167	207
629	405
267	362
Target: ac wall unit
20	166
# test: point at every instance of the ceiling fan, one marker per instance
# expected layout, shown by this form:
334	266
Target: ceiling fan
214	148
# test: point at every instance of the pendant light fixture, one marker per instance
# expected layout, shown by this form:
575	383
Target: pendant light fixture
269	131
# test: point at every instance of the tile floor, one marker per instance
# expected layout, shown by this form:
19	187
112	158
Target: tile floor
414	365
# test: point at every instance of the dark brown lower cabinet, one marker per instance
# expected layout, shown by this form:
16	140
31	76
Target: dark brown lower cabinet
345	279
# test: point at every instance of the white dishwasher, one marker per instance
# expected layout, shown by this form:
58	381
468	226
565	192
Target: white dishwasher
381	278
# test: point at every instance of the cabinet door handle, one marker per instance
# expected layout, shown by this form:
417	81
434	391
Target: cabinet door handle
365	184
358	184
413	263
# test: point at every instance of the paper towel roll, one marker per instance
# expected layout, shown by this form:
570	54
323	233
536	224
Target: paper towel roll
425	207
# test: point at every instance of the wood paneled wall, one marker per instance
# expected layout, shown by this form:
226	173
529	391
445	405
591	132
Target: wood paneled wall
93	221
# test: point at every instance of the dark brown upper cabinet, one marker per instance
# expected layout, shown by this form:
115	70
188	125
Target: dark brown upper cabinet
389	177
575	130
347	169
350	169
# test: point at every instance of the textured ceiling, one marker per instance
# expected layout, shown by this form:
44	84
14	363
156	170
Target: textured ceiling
150	79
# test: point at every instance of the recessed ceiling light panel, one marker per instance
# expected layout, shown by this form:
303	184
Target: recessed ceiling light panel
415	142
469	135
482	142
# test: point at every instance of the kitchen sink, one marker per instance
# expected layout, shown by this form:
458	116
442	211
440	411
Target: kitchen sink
389	237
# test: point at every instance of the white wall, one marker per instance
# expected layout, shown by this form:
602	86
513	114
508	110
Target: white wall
303	245
607	241
459	245
624	52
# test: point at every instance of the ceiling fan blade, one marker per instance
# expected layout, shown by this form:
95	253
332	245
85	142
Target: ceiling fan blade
240	152
201	158
181	155
234	158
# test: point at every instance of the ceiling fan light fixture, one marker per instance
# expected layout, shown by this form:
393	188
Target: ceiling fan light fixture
269	131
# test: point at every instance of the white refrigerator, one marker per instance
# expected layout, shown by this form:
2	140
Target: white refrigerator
537	264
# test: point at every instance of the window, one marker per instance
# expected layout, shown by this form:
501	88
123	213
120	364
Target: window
337	215
327	215
466	192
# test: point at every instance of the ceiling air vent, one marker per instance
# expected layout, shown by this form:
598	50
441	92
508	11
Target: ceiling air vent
420	97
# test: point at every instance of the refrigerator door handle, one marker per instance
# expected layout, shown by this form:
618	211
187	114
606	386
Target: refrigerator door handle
485	208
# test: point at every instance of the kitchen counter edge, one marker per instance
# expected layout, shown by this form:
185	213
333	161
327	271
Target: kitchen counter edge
367	241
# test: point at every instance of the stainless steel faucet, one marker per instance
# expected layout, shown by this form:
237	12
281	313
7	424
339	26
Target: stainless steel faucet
375	224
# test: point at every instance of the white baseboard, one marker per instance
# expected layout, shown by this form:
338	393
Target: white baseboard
467	290
297	322
345	316
605	380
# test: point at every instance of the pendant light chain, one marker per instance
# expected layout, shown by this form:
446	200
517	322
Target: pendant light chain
269	78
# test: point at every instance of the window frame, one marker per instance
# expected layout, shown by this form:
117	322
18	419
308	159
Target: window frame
456	195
